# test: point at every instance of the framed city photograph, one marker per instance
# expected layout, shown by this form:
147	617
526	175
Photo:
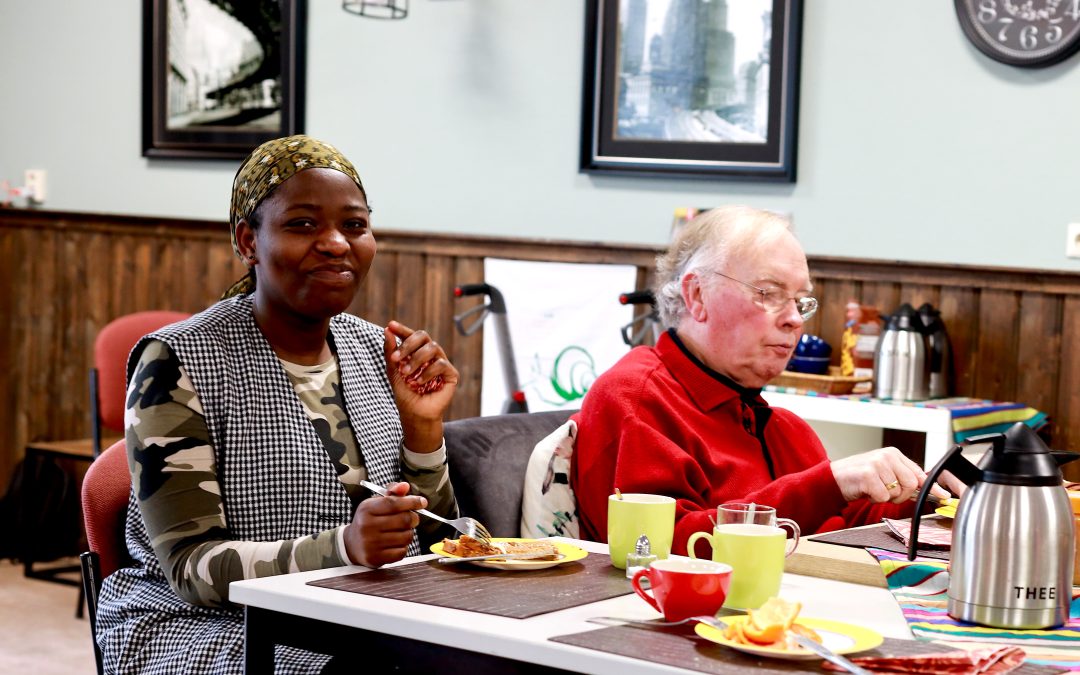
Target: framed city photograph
692	88
221	76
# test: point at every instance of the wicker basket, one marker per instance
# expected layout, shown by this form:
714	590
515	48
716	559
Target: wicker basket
833	383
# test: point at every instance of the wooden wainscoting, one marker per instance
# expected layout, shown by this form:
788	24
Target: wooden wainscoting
1015	333
65	275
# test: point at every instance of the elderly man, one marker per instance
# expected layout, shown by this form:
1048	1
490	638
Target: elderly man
686	418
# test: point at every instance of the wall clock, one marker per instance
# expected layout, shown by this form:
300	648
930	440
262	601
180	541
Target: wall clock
1026	33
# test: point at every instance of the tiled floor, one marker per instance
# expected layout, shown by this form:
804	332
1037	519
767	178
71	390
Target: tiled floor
38	629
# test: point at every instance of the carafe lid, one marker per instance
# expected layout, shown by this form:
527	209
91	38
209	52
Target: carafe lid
1019	457
931	318
905	318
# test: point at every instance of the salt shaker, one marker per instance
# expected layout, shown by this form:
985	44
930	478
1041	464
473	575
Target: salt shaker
640	558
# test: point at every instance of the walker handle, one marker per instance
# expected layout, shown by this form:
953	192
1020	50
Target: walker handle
637	298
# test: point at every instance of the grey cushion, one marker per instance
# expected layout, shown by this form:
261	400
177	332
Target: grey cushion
488	456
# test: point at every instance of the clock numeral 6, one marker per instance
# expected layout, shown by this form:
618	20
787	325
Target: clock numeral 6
1029	37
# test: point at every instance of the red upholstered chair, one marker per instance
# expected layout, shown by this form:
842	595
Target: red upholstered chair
107	393
105	492
108	379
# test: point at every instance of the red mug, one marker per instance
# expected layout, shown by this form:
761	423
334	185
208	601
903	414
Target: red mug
683	588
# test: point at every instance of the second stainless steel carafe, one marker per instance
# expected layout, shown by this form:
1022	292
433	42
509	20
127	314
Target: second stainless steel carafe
901	362
940	354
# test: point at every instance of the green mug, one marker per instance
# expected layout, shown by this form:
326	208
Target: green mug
631	515
751	539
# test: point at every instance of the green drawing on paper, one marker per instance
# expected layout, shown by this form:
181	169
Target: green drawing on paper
572	373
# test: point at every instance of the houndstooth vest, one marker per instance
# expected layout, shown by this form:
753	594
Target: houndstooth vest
276	479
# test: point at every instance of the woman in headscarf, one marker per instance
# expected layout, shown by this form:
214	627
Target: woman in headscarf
250	426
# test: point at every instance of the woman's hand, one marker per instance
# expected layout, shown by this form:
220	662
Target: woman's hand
883	475
382	528
423	380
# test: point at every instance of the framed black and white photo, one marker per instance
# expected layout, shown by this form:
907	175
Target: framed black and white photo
692	88
221	76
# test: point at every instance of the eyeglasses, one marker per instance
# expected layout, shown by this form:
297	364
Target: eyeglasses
774	300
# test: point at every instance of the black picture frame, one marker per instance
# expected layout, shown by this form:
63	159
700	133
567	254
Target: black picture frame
244	84
703	116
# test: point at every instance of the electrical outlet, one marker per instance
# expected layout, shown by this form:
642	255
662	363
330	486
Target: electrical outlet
1072	244
34	181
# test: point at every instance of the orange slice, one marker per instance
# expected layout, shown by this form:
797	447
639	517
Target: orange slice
768	624
775	611
764	636
734	632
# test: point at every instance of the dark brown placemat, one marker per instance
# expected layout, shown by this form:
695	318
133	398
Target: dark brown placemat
682	648
878	536
517	595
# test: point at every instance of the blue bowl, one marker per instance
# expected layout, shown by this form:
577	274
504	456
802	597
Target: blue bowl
812	345
815	365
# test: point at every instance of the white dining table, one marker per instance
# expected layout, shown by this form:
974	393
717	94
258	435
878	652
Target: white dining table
279	608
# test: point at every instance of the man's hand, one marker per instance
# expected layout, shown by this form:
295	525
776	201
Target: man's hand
883	475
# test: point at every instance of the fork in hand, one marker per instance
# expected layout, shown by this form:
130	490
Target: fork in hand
465	525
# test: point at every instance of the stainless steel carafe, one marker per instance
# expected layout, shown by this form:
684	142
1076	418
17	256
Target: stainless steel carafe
938	349
1011	561
901	362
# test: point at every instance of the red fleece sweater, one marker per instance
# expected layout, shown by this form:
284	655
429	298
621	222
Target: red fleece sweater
661	422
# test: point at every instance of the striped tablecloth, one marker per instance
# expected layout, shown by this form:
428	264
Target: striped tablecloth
920	588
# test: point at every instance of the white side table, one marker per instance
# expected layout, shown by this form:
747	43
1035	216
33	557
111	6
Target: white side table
936	423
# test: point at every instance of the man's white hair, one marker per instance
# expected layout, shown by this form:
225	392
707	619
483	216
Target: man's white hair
708	242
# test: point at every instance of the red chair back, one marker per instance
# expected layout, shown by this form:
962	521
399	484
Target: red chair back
111	349
104	504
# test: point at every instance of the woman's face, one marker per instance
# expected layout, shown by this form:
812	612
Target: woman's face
314	244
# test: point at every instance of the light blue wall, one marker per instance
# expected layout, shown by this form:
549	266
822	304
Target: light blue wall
465	118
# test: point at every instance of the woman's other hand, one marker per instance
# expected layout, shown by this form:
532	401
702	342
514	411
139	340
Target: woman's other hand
423	380
382	528
883	475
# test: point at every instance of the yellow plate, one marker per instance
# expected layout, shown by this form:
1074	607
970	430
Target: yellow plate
569	552
842	638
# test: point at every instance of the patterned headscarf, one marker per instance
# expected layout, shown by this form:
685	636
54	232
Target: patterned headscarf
267	167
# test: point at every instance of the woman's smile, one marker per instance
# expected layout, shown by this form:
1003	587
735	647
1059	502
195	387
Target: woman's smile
333	274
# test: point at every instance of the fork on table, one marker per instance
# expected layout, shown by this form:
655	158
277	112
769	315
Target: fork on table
465	525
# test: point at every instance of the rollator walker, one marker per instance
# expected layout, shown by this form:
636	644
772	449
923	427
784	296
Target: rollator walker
495	307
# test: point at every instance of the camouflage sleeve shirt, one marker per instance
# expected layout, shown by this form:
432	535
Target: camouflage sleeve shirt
180	499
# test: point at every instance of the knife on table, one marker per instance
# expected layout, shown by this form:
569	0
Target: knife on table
828	654
809	645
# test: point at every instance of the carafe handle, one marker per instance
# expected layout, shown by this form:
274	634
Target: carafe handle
961	467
